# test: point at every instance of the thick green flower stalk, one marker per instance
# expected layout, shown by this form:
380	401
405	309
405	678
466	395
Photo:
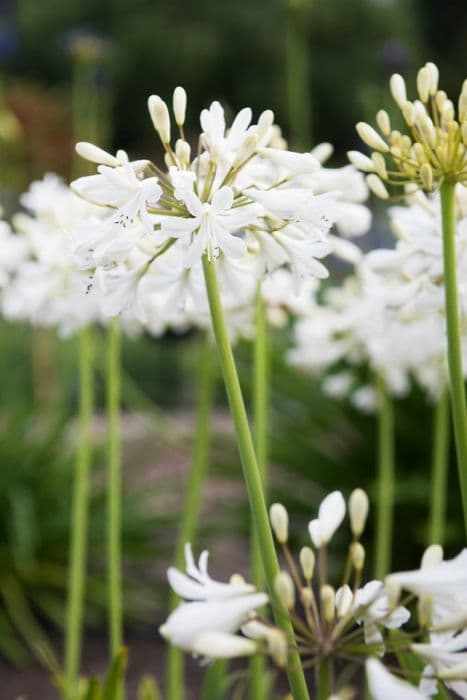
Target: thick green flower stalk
432	155
251	472
386	482
440	469
258	678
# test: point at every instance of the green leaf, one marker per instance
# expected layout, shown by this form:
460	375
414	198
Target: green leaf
148	689
93	690
114	680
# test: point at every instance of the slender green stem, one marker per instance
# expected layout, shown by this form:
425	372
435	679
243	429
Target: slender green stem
258	685
456	375
187	530
385	513
440	469
79	526
114	487
250	470
324	673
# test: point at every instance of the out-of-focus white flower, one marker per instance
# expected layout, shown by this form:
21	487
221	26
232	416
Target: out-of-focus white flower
384	685
371	608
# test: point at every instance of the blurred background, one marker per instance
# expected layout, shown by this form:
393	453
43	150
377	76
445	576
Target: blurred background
321	65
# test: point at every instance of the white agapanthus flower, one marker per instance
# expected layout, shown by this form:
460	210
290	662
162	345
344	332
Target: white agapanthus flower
44	285
383	685
215	611
244	202
331	513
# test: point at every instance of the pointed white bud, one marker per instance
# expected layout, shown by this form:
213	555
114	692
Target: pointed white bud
160	117
376	186
398	91
183	151
426	174
462	106
408	112
279	522
264	126
464	133
423	83
277	647
357	555
285	589
380	165
94	154
322	152
383	121
425	610
358	511
455	673
361	161
328	602
179	105
307	562
371	137
433	78
344	600
432	556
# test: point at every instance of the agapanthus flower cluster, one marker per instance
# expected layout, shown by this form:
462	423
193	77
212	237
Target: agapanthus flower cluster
243	202
343	626
39	281
434	149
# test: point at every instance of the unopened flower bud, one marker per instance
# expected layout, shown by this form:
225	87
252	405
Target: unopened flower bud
94	154
426	174
358	511
179	105
398	91
432	556
464	133
433	77
237	580
371	137
380	165
462	106
285	589
454	673
408	112
277	647
264	127
383	121
376	186
307	562
357	555
344	600
183	151
306	596
361	161
423	83
322	152
328	602
279	522
160	117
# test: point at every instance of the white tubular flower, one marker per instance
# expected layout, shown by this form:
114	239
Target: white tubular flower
218	608
384	686
371	608
121	189
446	583
299	163
330	515
212	226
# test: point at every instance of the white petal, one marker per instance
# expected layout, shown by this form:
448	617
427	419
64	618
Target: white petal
314	528
331	514
384	686
223	199
216	645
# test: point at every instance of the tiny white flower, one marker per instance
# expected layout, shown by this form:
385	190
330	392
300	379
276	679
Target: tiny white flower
331	513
